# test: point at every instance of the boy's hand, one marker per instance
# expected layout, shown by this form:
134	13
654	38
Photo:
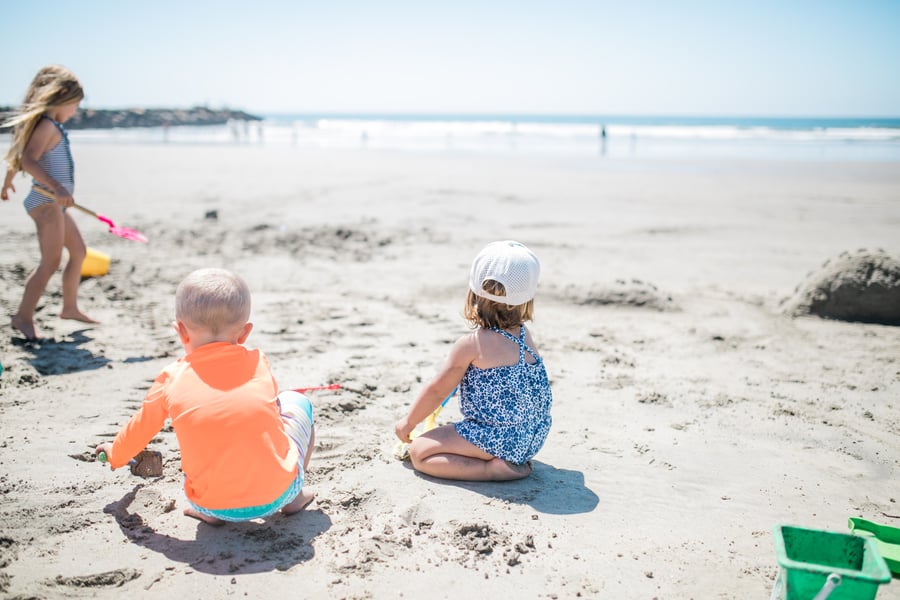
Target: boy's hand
105	447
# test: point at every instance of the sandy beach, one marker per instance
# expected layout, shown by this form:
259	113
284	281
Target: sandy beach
691	414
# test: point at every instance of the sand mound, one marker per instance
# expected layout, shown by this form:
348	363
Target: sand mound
864	286
634	293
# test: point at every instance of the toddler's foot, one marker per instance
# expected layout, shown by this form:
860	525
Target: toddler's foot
77	315
190	512
25	327
506	471
299	503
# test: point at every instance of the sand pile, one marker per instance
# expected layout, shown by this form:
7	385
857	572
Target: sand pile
864	287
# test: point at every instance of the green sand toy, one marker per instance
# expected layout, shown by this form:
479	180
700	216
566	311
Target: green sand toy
147	463
887	540
818	564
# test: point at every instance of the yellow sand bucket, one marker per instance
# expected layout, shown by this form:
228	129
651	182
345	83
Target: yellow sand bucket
95	264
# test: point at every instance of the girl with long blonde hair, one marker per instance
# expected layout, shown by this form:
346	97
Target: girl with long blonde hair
40	148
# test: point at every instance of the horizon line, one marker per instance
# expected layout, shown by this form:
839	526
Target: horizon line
484	114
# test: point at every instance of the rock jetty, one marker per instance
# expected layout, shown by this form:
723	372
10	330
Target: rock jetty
90	118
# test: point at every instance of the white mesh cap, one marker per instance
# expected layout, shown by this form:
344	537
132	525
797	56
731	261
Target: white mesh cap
509	263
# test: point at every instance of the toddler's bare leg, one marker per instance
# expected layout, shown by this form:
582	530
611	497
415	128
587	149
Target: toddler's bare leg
309	449
506	471
442	453
305	496
190	512
300	502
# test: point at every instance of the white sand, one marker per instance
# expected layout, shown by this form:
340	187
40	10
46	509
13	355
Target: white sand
690	415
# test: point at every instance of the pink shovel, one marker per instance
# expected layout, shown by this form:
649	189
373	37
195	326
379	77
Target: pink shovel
123	232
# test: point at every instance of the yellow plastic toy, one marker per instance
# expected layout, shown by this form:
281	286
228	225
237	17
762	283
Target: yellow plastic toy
95	264
401	449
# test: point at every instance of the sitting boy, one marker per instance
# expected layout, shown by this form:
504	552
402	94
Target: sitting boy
244	447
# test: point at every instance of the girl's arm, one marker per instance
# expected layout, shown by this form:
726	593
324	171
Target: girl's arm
44	137
461	356
8	184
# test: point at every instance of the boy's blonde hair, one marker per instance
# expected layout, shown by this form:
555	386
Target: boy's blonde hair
213	299
482	312
53	86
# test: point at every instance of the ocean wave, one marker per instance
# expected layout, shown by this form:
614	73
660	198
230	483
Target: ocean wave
809	139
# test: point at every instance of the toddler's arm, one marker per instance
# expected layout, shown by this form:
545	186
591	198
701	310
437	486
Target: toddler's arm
143	425
461	356
107	448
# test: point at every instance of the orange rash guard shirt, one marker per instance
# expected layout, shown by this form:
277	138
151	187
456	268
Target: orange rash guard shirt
221	399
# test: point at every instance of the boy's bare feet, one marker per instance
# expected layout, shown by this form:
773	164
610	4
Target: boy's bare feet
299	503
77	315
25	327
190	512
507	471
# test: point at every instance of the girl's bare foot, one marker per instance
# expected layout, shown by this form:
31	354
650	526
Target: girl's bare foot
507	471
77	315
299	503
190	512
25	327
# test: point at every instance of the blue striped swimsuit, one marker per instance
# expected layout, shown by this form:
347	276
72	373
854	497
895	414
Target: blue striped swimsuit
506	409
58	163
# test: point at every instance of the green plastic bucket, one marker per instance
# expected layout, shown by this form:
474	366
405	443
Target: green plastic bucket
809	556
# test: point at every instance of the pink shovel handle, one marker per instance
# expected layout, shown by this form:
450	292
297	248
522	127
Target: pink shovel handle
333	386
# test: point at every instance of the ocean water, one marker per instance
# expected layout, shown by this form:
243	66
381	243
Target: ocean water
620	137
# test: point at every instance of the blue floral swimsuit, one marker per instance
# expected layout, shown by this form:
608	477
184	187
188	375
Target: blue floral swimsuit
506	409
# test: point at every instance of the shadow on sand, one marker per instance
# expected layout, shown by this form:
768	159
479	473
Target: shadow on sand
51	357
548	489
275	543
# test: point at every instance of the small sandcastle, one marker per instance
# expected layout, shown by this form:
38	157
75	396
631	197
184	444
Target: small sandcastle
862	286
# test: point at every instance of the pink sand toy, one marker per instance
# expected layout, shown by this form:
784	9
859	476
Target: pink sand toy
123	232
315	388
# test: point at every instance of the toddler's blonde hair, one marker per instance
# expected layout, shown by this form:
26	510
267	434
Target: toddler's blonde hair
482	312
213	299
53	86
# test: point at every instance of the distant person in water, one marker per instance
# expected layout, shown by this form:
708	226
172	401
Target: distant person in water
40	147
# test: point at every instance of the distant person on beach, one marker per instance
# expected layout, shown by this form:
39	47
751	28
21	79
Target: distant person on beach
40	147
504	392
244	447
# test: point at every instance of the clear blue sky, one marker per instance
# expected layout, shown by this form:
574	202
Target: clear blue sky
692	57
